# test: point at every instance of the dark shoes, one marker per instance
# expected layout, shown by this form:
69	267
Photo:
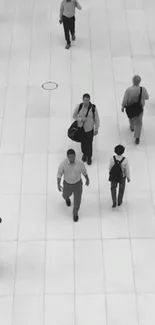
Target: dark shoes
73	37
114	204
68	202
84	158
137	141
75	217
0	220
67	46
89	161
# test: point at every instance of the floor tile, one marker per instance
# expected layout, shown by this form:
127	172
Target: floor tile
30	268
118	266
8	265
90	309
32	223
28	310
89	276
53	305
34	174
10	182
60	267
37	135
122	309
144	265
6	304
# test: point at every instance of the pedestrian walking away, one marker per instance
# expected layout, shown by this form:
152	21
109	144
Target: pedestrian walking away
72	169
91	124
67	17
131	97
118	172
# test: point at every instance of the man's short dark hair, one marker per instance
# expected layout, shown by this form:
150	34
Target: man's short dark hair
119	150
71	152
86	95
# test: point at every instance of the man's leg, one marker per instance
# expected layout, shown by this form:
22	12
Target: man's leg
131	122
89	137
138	126
113	193
67	191
65	21
77	190
84	147
72	27
121	190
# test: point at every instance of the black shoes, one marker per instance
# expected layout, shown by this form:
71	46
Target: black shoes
84	158
89	161
137	141
114	205
0	220
67	46
68	202
73	37
75	217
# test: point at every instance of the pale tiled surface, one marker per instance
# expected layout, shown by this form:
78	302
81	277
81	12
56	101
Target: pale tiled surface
100	270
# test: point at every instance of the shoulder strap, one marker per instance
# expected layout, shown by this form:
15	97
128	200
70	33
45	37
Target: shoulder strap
89	107
93	110
140	95
118	160
122	160
80	107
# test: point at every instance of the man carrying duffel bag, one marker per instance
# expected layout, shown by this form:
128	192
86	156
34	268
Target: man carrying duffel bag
87	120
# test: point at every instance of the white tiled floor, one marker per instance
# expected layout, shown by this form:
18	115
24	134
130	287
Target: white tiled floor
102	269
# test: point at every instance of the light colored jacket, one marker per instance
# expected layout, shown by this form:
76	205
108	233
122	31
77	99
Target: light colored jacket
67	8
90	122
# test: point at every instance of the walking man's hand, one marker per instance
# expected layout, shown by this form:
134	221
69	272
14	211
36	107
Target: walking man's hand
60	188
87	182
60	21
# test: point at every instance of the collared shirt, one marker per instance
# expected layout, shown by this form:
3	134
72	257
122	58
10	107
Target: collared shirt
132	94
124	165
90	123
71	172
67	8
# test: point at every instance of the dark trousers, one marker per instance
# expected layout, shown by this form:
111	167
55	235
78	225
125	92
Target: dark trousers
87	144
76	189
120	192
69	26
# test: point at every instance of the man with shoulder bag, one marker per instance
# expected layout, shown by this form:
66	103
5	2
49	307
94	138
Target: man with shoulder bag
133	102
86	115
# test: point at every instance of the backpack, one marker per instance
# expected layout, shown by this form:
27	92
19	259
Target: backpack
116	173
93	109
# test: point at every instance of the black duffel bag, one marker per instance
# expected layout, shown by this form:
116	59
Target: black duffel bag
135	109
76	133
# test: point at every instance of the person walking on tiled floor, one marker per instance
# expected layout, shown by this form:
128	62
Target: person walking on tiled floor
67	17
131	97
118	172
91	125
71	169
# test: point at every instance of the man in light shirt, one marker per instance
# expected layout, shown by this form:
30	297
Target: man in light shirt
131	96
67	17
119	150
71	169
91	125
